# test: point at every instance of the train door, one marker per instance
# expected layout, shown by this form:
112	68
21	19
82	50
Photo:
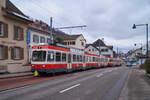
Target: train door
69	62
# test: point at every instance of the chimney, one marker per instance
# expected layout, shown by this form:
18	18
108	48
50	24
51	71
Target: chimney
3	3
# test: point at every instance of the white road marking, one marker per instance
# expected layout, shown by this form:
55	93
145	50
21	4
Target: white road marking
69	88
101	74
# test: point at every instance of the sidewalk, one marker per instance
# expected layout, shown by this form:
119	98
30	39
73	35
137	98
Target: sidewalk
13	75
137	86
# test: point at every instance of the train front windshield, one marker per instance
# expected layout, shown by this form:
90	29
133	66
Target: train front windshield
39	56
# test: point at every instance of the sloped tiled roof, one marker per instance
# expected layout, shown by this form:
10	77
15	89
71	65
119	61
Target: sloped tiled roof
64	36
110	47
13	10
99	42
87	45
40	26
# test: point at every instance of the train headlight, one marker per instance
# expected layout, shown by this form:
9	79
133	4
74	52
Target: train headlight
33	65
43	65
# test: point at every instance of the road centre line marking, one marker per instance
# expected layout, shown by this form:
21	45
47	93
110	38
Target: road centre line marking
69	88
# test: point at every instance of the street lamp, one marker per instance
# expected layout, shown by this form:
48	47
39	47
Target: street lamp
134	27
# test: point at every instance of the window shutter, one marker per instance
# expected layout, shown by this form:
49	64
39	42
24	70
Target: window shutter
21	53
5	28
15	29
5	52
12	53
21	34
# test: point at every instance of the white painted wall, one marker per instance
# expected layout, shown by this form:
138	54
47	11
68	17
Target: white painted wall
92	49
78	43
109	52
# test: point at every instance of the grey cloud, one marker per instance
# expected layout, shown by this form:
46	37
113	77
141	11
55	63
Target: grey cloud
109	18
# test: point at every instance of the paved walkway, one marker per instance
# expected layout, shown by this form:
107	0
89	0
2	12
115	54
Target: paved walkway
2	76
137	86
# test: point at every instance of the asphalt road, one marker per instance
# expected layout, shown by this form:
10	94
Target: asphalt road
97	84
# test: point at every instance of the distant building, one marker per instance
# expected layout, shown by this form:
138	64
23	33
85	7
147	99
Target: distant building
13	45
90	48
104	49
76	41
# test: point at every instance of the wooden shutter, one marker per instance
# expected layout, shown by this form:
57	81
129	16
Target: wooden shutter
5	52
15	29
21	34
5	28
12	53
21	53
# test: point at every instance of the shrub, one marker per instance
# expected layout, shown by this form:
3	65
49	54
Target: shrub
147	66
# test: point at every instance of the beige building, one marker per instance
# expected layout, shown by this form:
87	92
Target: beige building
74	41
13	45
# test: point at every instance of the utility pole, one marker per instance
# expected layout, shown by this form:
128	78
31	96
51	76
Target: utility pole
51	31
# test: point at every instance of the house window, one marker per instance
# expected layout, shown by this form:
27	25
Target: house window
82	43
1	29
17	53
18	33
42	39
72	43
36	38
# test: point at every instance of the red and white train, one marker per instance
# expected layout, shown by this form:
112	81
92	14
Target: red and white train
53	59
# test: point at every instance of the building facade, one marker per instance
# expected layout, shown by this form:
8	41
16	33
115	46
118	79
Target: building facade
13	45
91	49
38	32
74	41
104	49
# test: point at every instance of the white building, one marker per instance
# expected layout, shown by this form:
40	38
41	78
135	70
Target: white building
75	41
91	49
104	49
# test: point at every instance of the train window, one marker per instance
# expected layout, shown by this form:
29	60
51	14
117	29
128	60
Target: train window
93	59
83	58
39	56
86	58
64	57
58	56
90	59
50	56
78	58
74	58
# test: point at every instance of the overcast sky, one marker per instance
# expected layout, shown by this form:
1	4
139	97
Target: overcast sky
108	19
